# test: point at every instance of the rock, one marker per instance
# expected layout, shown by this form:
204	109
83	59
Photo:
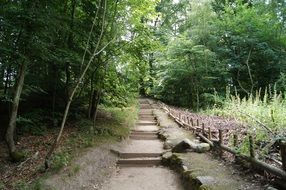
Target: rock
205	180
184	168
183	146
203	147
270	188
166	158
186	144
167	145
167	155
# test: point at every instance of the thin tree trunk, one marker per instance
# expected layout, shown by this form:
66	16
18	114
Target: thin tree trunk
90	99
7	79
95	106
15	104
71	96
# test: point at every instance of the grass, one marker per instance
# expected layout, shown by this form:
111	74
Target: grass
269	109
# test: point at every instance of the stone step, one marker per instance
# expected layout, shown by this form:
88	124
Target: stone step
138	155
146	109
136	132
146	113
149	131
145	106
143	137
147	120
149	113
143	102
146	123
147	117
153	161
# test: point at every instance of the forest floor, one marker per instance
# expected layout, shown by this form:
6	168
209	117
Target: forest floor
17	175
76	146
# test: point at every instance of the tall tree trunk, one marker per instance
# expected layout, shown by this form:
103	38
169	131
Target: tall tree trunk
15	104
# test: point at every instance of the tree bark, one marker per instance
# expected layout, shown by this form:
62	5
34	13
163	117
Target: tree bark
97	95
15	104
7	79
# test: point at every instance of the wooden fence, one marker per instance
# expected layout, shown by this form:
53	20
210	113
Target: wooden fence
214	137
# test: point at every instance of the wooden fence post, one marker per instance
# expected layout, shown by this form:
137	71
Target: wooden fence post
192	122
198	123
209	133
283	154
220	141
235	139
251	147
203	128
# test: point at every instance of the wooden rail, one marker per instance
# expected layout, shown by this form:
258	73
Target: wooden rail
187	122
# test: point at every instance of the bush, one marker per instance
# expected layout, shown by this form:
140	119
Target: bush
60	160
33	123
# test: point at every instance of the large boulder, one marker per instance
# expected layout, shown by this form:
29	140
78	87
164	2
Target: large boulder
187	145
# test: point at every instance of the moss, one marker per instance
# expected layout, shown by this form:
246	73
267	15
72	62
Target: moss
205	187
17	156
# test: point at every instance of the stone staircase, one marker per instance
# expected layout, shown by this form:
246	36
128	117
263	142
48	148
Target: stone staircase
144	149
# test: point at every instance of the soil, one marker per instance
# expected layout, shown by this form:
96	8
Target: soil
88	171
35	149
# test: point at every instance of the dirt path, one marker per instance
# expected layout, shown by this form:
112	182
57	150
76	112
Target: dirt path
88	172
139	165
144	178
136	167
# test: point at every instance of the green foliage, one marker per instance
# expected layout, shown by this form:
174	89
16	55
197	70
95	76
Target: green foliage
60	160
22	185
2	185
262	107
215	44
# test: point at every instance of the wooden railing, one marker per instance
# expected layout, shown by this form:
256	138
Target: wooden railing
214	137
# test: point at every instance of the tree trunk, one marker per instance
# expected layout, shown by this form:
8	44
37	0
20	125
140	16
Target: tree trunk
7	79
94	107
15	104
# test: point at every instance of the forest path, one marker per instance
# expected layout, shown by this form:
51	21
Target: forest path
139	166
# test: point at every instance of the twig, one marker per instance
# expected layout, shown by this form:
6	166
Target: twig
30	158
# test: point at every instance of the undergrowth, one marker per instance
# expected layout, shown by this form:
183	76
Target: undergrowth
112	125
262	108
